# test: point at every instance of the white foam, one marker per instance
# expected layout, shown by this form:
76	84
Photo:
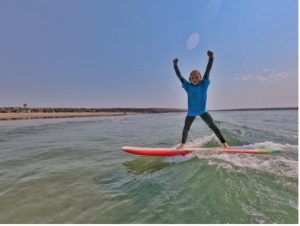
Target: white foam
203	141
178	159
283	147
278	163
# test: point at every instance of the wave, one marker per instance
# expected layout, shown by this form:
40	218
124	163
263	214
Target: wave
284	163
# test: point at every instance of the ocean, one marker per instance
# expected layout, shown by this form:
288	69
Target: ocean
73	170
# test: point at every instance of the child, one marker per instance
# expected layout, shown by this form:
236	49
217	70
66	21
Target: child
197	95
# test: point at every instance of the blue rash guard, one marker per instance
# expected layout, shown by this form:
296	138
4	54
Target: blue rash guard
197	94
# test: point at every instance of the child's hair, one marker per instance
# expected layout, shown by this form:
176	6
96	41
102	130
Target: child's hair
195	71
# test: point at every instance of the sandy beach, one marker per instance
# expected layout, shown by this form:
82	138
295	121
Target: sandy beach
15	116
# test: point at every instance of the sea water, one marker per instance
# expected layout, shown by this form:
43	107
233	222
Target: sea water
73	170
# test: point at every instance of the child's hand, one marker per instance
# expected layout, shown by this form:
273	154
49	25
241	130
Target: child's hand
210	54
175	61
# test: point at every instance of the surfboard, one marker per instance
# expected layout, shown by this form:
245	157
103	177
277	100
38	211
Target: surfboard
175	152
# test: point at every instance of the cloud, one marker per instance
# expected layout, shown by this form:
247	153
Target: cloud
268	75
244	77
272	77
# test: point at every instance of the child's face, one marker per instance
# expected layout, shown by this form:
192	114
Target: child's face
195	77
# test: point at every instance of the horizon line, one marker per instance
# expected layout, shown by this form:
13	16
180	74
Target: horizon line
173	108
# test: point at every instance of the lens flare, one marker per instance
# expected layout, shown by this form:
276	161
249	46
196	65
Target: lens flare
192	41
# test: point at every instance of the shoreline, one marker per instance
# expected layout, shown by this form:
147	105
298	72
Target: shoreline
18	113
51	113
47	115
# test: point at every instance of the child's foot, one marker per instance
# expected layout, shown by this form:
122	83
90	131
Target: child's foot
225	145
181	146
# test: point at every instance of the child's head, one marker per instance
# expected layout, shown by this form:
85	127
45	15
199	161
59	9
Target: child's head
195	77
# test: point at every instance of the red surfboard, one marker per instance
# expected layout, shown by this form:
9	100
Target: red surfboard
175	152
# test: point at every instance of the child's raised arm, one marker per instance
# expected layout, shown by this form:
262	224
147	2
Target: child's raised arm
210	54
175	62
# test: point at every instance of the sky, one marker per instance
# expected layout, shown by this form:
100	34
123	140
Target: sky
118	53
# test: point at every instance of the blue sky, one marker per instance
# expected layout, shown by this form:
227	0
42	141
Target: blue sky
118	53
